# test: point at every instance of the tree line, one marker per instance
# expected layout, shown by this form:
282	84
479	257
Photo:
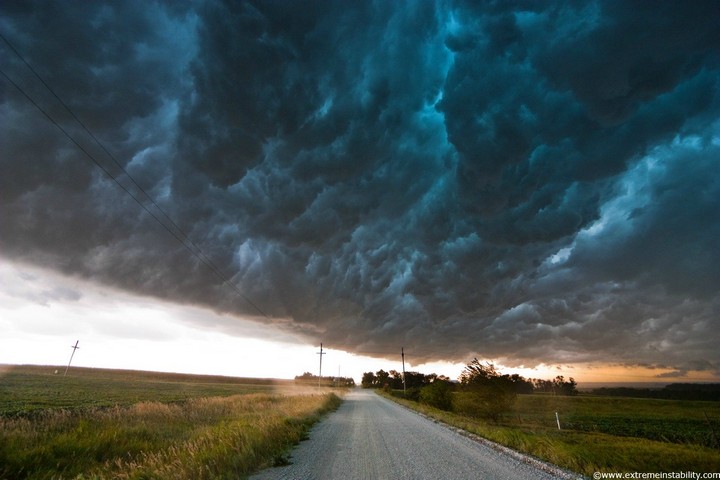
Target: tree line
308	378
480	391
393	379
472	373
674	391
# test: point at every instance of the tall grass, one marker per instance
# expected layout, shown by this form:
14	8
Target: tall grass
202	438
599	434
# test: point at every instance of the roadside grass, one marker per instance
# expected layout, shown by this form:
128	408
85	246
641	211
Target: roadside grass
600	433
195	437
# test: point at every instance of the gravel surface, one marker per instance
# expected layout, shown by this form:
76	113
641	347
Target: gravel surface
370	437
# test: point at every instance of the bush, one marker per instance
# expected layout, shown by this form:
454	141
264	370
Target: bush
409	394
413	394
438	394
487	401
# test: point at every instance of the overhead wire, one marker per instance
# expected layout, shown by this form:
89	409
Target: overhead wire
176	231
95	139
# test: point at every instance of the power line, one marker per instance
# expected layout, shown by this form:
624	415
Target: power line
98	142
181	237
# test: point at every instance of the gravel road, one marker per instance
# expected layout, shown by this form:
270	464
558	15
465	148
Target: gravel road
370	438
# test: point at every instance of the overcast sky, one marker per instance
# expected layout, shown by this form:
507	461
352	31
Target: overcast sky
535	183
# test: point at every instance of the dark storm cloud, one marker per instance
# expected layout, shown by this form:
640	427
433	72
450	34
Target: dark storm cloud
531	183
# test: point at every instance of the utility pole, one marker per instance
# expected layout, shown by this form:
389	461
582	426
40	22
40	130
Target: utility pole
402	353
74	347
321	353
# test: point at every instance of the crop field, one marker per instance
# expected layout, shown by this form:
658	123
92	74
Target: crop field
24	389
669	421
606	434
142	425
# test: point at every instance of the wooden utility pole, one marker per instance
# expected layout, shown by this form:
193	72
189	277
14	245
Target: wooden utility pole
74	347
402	354
321	353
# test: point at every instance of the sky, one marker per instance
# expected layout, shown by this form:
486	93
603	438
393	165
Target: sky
217	187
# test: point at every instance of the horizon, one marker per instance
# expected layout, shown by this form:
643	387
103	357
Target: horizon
112	328
4	368
221	187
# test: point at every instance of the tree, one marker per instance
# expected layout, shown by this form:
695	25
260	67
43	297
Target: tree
542	386
475	373
368	380
520	384
306	378
486	393
556	386
561	387
395	380
416	379
382	378
437	394
346	382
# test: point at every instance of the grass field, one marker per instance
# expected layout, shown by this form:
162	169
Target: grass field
606	434
24	389
143	425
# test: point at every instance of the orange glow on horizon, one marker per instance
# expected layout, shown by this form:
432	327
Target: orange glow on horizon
607	373
583	373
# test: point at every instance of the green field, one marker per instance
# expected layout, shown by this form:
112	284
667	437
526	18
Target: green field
668	421
607	434
24	389
143	425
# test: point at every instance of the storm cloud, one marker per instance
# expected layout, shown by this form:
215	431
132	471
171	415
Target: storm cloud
525	181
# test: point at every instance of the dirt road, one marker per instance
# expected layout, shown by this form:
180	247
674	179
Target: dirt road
371	438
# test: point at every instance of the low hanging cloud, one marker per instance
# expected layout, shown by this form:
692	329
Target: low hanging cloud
535	183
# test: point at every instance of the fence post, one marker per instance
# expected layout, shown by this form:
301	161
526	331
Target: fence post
712	430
